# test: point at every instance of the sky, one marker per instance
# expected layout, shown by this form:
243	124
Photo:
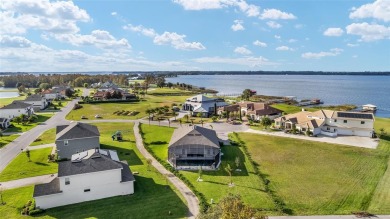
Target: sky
194	35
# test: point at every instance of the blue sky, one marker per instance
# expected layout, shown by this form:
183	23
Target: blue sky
153	35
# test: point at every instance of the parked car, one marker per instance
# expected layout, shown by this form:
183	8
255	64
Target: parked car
98	116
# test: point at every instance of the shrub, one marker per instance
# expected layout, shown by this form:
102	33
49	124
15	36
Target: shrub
76	106
36	211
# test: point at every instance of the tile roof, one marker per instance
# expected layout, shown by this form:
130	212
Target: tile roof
194	135
52	187
17	104
76	130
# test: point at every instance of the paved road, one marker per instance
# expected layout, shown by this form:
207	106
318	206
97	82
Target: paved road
9	152
192	200
28	181
330	217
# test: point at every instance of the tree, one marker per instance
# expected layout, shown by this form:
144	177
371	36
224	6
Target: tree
200	173
149	162
45	86
186	117
37	91
214	118
1	196
174	113
21	88
199	115
382	132
149	111
266	121
68	92
237	162
246	94
28	155
18	120
229	170
32	118
86	85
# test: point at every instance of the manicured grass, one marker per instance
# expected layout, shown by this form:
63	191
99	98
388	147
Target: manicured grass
215	184
382	123
169	91
15	199
289	109
23	128
318	178
20	167
7	139
47	137
106	109
6	101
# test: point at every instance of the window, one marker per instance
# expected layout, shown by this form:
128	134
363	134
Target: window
335	120
87	190
67	181
345	121
66	142
362	122
327	128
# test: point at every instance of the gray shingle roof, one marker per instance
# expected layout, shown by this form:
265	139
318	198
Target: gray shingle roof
127	175
52	187
17	104
194	135
76	130
93	164
34	97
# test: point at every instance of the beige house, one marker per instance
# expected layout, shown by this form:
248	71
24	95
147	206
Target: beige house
330	123
255	110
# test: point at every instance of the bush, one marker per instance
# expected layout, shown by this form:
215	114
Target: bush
77	106
36	211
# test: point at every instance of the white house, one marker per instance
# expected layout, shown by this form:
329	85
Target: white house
328	122
38	101
90	175
16	108
202	104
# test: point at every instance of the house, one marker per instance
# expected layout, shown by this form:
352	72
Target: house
90	175
4	123
255	110
54	94
202	104
192	147
330	123
16	108
99	95
38	101
75	138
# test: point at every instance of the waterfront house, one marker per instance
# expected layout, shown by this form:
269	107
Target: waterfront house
38	101
330	123
75	138
255	110
201	104
192	147
89	175
16	108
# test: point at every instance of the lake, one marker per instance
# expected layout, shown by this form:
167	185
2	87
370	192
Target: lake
8	92
332	89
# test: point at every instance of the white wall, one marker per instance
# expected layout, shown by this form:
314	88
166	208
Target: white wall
11	113
39	103
351	123
102	184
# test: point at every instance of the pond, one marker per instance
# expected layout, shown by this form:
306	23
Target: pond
8	92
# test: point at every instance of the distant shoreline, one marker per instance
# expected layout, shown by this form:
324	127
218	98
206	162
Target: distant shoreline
176	73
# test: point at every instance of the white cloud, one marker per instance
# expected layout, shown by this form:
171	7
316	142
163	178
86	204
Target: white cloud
284	48
277	37
249	9
167	38
14	42
237	25
259	43
292	40
369	32
333	31
380	9
242	50
274	25
275	14
352	45
245	61
332	52
18	16
99	38
114	13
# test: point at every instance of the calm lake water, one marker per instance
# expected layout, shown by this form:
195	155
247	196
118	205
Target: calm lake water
332	89
5	94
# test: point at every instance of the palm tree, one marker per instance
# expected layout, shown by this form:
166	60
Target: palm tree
28	155
186	117
148	111
229	170
169	122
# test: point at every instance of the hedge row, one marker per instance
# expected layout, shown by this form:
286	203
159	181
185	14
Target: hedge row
202	199
108	101
279	203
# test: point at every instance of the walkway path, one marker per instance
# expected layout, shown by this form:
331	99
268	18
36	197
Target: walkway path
27	181
40	146
192	200
330	217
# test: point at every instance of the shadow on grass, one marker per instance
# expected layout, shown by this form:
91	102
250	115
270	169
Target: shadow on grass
41	164
124	154
157	142
150	200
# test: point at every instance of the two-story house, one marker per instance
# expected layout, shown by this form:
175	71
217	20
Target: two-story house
89	175
38	101
15	109
75	138
205	105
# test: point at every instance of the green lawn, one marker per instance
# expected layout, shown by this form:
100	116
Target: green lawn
7	139
288	109
23	128
318	178
215	184
47	137
20	167
106	109
172	91
6	101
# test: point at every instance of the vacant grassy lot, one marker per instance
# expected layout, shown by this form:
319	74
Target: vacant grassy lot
20	167
318	178
289	109
47	137
23	128
6	101
4	140
172	91
106	109
215	184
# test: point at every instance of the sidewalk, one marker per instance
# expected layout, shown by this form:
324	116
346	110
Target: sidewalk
27	181
40	146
